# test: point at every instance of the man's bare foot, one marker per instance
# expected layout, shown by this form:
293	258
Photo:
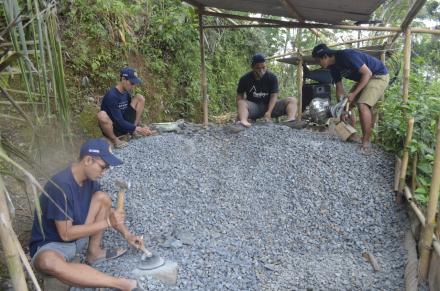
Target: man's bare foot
245	123
366	148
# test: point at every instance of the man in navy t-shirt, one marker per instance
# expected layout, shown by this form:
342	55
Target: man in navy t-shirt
257	94
74	213
371	77
120	113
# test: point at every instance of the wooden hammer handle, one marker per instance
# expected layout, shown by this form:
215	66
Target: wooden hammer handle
121	200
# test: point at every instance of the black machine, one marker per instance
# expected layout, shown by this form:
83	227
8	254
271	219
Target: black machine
321	89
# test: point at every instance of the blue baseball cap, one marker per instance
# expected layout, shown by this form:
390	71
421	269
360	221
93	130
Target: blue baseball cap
99	147
131	75
257	59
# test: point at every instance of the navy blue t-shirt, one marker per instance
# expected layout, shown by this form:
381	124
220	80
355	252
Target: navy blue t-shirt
348	62
75	202
258	91
116	104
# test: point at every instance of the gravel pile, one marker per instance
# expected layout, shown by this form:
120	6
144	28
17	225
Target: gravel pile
268	208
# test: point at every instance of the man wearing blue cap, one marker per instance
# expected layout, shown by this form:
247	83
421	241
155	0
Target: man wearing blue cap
257	94
74	214
120	112
371	77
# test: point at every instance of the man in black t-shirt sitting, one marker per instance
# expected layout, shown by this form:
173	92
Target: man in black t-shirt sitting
257	94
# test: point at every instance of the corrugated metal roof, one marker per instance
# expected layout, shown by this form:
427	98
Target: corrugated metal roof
324	11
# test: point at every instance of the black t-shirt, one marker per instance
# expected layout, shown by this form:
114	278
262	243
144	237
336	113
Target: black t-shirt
258	91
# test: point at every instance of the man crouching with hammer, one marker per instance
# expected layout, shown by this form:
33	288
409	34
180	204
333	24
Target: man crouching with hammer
75	212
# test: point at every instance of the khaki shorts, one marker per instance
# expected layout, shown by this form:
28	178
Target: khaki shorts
373	91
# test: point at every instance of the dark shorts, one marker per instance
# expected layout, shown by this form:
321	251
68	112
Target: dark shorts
257	110
130	116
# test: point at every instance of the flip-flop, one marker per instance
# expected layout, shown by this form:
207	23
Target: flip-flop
109	254
120	145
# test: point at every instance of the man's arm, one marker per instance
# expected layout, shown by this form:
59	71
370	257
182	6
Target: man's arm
366	75
120	121
340	91
271	105
69	232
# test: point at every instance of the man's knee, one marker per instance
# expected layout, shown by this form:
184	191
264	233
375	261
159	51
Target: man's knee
140	98
48	262
363	107
103	117
291	100
102	199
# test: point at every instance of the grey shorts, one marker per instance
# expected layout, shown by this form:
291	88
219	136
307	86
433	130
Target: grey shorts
69	250
257	110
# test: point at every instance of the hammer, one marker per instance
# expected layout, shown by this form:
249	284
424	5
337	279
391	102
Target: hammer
123	186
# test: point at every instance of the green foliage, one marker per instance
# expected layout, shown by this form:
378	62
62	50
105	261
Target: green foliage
424	105
161	39
88	122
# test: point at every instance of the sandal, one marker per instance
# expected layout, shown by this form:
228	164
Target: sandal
296	124
121	144
109	254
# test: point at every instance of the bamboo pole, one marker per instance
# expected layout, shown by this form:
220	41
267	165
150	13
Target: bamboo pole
428	230
406	64
414	174
421	218
405	157
397	167
299	80
299	74
296	24
10	251
204	83
337	44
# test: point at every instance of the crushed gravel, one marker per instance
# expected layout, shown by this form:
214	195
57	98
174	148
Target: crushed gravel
267	208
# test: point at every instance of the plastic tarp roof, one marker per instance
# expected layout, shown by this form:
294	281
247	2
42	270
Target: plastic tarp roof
323	11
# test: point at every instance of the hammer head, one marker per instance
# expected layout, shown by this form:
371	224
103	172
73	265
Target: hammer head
122	185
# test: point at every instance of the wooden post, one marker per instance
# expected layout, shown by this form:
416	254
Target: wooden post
428	230
414	174
299	81
10	250
378	114
405	157
299	74
204	84
406	64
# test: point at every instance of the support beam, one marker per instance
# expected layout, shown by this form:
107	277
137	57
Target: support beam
296	14
409	17
336	44
204	83
238	26
295	24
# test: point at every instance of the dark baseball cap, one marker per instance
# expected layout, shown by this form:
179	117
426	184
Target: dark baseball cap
131	75
257	59
321	50
99	147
